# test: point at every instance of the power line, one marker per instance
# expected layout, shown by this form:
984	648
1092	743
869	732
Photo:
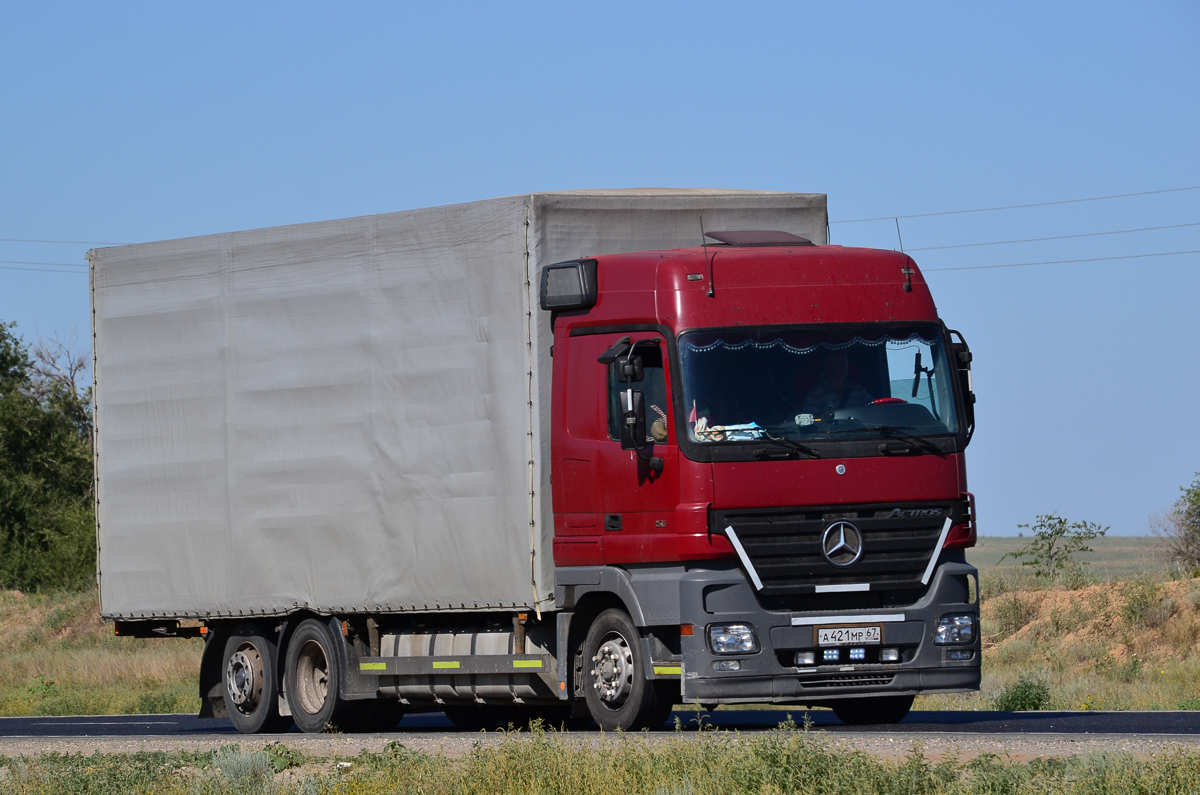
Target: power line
1059	261
41	270
1056	237
53	264
66	242
1017	206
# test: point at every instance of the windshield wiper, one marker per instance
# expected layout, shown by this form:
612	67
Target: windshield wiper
788	443
895	432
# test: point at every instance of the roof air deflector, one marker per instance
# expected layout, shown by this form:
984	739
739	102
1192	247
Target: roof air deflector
758	237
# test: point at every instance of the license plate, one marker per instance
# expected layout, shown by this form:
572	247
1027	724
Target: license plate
849	636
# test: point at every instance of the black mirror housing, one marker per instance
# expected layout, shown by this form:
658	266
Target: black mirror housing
962	352
630	369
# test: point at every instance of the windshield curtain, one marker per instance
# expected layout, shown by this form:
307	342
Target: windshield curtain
815	382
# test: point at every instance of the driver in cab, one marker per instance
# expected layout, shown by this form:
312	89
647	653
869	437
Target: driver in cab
835	390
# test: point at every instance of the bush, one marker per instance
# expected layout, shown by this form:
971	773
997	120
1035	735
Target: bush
1011	613
1179	528
247	772
1146	604
1027	693
1055	540
1127	672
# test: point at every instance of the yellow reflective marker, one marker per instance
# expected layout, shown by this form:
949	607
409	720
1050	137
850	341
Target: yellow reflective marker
372	666
445	664
668	669
527	663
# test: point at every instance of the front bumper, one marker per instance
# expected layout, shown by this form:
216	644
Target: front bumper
723	596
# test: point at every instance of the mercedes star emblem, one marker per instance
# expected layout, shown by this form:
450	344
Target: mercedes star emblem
842	544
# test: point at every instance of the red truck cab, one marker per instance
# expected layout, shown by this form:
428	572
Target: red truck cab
758	456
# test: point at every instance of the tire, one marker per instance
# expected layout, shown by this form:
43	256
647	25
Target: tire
312	674
250	683
867	711
667	694
618	693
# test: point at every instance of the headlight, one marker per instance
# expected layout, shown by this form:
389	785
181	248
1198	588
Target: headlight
959	628
732	639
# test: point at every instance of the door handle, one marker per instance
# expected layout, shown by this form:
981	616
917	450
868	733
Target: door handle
612	521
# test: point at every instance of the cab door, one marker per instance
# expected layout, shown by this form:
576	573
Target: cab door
637	495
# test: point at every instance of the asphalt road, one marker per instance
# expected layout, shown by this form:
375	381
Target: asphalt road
1175	724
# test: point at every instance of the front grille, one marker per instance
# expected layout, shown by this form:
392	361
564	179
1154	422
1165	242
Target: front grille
784	545
850	680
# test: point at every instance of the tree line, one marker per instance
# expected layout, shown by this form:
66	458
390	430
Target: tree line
47	513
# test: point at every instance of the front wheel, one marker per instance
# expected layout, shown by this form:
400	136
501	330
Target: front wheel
618	693
251	687
867	711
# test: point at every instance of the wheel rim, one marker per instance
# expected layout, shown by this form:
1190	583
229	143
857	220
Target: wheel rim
244	678
312	677
612	676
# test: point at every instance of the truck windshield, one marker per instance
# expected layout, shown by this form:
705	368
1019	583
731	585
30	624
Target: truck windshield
815	382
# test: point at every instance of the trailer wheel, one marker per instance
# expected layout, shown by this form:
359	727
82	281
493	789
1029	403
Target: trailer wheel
312	676
867	711
618	693
251	688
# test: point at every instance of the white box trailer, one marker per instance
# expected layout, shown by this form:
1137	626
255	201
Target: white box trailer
352	416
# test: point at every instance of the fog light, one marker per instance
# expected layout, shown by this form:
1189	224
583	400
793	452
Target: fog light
957	628
889	655
831	655
727	665
806	658
858	654
732	639
960	654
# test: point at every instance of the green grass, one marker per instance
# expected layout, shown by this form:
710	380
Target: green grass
788	760
58	658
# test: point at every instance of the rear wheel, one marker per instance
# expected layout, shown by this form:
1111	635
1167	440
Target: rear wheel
251	687
867	711
618	693
312	675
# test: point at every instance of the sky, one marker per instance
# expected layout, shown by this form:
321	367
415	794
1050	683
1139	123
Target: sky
132	122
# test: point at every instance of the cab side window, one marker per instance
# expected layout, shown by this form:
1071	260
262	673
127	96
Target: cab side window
654	389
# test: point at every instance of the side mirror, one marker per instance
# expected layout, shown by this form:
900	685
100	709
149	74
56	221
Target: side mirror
963	357
630	369
633	420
